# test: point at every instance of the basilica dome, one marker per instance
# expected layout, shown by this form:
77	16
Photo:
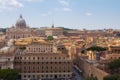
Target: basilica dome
21	22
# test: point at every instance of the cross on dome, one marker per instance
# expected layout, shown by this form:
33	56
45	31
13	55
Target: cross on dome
20	15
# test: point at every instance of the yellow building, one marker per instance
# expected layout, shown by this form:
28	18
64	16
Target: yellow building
91	55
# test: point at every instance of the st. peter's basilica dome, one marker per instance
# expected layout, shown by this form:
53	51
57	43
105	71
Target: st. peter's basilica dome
21	22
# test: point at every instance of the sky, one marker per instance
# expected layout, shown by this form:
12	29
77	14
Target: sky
75	14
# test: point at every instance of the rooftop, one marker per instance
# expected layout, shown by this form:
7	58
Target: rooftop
27	41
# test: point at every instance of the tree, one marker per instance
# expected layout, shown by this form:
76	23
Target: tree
91	78
118	34
114	65
8	74
3	30
50	38
96	48
83	51
112	77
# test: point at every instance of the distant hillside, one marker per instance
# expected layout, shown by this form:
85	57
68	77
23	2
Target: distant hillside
2	29
66	28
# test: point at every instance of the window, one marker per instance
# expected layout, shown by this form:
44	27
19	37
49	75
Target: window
38	58
55	58
51	67
50	75
28	62
59	75
38	76
24	67
8	59
55	68
33	58
51	58
111	57
59	57
33	76
46	67
42	75
29	67
24	75
38	67
68	75
46	76
42	67
33	68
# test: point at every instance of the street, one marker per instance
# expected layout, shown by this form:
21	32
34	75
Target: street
76	75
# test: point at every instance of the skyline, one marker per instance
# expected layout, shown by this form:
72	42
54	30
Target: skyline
75	14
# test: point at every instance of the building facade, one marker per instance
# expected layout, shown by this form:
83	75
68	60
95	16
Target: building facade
37	59
54	31
39	33
113	53
7	55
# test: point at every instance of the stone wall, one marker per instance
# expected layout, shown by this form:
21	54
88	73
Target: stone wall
89	69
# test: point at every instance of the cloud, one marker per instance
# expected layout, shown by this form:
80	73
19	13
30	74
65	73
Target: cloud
10	4
13	4
46	14
35	0
65	5
64	2
88	14
67	9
